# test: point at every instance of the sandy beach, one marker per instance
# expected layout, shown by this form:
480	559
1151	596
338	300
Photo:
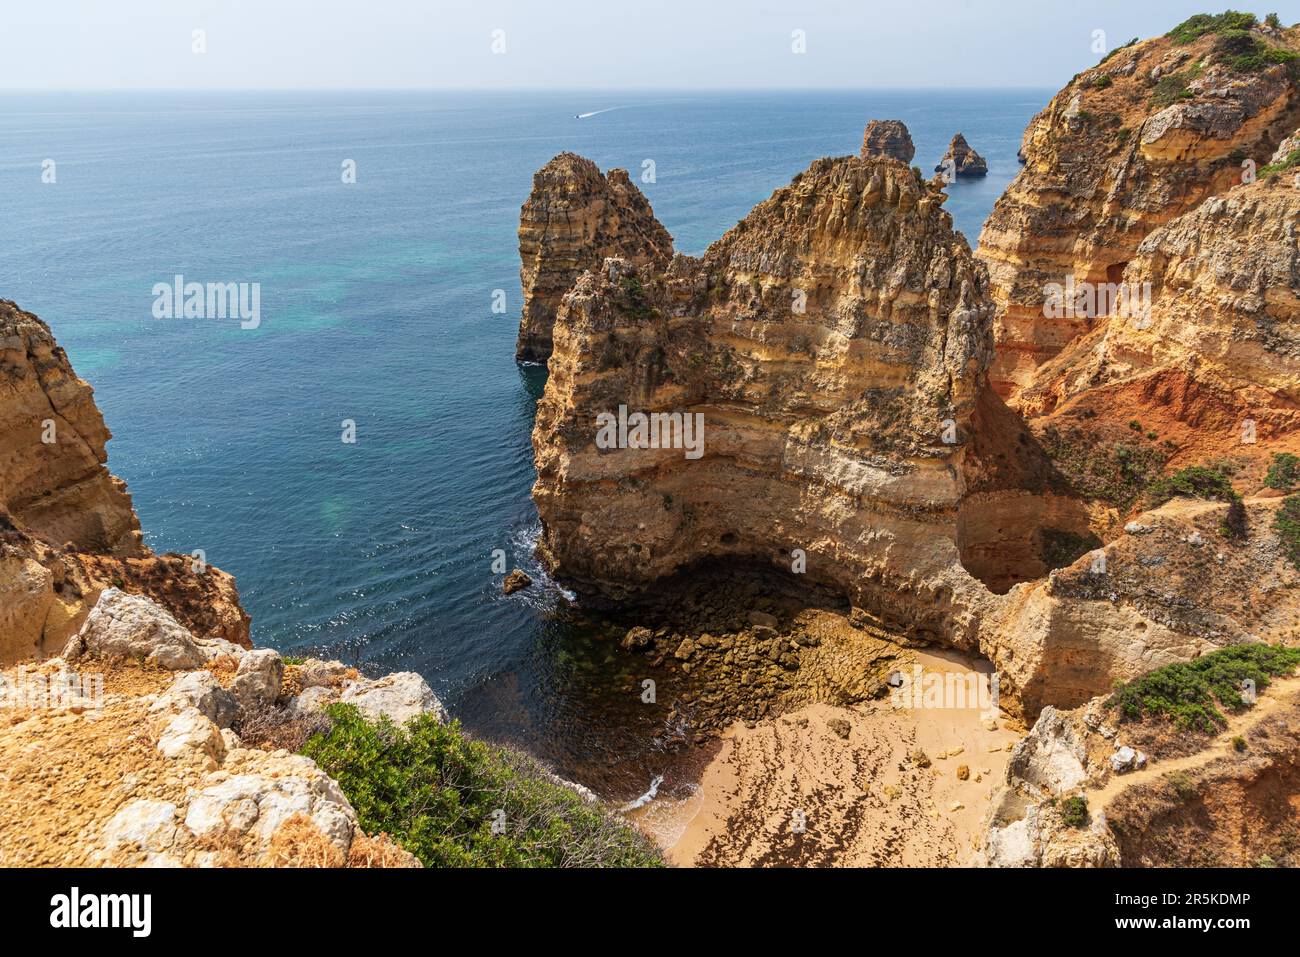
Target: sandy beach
878	784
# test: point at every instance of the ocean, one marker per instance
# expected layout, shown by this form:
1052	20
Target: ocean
376	307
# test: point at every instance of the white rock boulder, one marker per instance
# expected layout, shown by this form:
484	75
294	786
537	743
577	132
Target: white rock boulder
399	697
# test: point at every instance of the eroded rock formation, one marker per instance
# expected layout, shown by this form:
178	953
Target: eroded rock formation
834	344
1129	145
888	138
962	159
573	219
67	528
53	481
1214	361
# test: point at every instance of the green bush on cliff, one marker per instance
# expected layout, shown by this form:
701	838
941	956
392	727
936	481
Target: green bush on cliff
1284	472
1286	522
1281	166
1074	811
1198	25
1170	89
1195	481
1190	693
454	801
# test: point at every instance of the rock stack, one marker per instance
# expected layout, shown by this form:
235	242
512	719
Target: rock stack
962	160
888	138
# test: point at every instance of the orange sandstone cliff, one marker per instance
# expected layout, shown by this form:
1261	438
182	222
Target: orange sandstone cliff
67	528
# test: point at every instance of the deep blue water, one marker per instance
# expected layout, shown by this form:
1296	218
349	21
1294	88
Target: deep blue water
376	306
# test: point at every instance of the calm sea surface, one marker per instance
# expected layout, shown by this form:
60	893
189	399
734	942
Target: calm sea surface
376	306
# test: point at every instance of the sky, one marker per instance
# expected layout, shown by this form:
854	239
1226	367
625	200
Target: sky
583	44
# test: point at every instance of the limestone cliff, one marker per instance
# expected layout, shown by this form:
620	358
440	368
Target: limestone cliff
1214	365
52	446
1129	145
834	343
1092	787
573	219
67	528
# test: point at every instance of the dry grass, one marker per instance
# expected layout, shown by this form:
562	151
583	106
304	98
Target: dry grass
272	728
378	851
298	842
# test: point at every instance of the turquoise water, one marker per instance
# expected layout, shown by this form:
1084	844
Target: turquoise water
376	307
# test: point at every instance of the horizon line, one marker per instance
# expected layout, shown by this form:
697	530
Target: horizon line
521	89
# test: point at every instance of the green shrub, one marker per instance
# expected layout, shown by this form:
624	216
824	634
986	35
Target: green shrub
1287	162
1198	25
1116	50
1195	481
1238	743
1235	524
1103	82
1170	89
1074	811
1113	472
438	793
1182	783
1286	522
1246	54
1188	692
1274	21
1284	473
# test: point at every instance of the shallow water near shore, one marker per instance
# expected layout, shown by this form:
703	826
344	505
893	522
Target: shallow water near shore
377	307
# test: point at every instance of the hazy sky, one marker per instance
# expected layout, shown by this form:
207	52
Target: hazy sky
654	44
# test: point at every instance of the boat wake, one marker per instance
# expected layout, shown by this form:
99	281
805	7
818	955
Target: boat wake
610	109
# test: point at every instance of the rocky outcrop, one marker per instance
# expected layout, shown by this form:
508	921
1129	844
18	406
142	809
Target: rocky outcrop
53	481
823	360
67	529
122	626
1218	345
573	219
1028	824
1128	146
1141	602
196	794
888	138
962	160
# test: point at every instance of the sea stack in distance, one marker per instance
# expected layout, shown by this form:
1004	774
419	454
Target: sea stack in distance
966	162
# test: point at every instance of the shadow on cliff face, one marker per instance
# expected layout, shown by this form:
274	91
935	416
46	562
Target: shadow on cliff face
1021	517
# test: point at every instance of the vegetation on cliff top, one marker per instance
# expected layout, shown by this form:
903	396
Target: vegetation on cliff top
1115	472
1236	43
1190	693
453	801
1198	25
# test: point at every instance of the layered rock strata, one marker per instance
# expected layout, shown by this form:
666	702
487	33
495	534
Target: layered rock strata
1212	361
67	528
1128	146
53	480
888	138
573	219
827	354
